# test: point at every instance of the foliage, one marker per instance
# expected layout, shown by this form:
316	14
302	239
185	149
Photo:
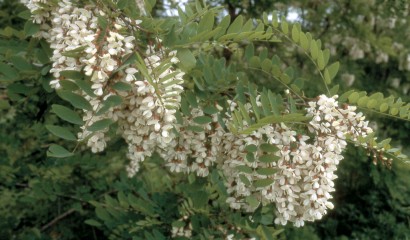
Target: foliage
240	75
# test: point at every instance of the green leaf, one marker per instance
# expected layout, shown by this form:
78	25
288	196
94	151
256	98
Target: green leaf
328	79
254	62
190	96
166	79
31	28
266	171
67	114
75	100
304	42
102	214
333	91
236	122
295	33
182	15
122	87
93	222
25	15
248	26
362	102
404	111
236	26
240	92
71	74
326	56
285	78
309	37
353	97
9	72
202	119
244	112
333	69
266	65
21	64
178	224
270	158
266	147
274	103
249	51
344	96
197	129
185	107
245	180
260	183
179	119
384	107
321	61
122	200
255	108
199	83
68	85
284	26
378	96
265	105
250	157
224	24
199	199
292	104
275	23
372	103
4	104
314	51
251	148
244	169
58	151
265	18
187	59
61	132
149	5
100	125
85	86
102	22
210	110
394	111
122	4
110	102
252	201
75	53
292	117
268	233
19	89
207	22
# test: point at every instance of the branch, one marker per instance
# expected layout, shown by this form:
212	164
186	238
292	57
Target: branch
57	219
71	210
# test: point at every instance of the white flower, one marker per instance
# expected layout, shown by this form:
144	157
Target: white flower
130	74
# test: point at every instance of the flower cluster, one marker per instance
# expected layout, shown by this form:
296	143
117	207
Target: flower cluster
149	113
196	146
79	43
7	116
182	228
292	169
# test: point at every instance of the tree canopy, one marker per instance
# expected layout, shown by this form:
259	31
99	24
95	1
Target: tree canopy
223	120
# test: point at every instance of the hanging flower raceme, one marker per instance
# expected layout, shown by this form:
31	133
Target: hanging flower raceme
298	176
149	111
145	113
195	147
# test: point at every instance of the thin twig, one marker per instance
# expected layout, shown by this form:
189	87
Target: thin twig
71	210
57	219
